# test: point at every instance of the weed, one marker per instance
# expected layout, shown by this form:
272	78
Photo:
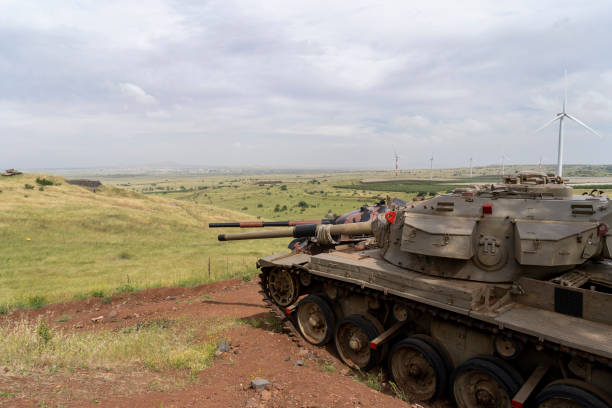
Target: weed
97	293
253	322
372	380
6	394
107	300
398	392
28	186
126	288
4	309
246	278
273	323
64	318
327	366
44	332
36	301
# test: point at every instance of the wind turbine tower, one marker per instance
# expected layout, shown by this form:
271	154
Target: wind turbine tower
560	117
396	164
470	167
431	167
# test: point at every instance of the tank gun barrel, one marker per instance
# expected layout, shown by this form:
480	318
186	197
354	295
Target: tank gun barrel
301	231
259	224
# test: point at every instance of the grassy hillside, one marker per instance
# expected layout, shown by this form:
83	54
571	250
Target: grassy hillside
63	241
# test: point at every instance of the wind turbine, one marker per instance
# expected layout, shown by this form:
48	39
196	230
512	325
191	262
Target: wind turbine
431	167
560	117
396	161
470	167
503	158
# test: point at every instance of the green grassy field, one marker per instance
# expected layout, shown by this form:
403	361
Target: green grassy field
63	241
66	241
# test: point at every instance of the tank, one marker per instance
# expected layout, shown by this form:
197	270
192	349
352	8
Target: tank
496	295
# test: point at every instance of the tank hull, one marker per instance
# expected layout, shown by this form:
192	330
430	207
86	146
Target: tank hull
465	319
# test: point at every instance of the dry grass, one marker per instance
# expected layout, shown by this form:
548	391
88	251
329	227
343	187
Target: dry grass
187	345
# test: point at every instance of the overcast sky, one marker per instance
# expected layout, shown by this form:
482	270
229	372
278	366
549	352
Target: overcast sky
301	83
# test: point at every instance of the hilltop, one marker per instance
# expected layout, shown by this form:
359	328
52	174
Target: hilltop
62	241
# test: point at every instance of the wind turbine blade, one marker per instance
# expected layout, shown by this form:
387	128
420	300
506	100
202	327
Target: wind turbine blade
548	123
583	124
565	91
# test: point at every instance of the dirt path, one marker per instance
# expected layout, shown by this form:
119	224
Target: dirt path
323	381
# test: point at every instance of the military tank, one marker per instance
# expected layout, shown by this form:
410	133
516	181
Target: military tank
496	295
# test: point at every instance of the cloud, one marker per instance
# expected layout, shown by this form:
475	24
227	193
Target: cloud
308	83
136	93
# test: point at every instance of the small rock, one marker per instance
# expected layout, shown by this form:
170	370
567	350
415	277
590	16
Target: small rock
79	325
78	311
251	403
259	383
6	369
218	353
126	317
288	358
298	363
268	387
171	298
303	352
235	351
266	395
345	372
223	346
136	315
112	314
97	319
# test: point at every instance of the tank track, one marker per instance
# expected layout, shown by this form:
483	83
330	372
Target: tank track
290	325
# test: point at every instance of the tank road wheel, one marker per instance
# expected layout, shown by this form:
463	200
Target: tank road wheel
353	336
486	382
316	320
571	394
418	369
282	287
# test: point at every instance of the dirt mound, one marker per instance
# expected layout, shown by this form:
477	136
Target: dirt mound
298	377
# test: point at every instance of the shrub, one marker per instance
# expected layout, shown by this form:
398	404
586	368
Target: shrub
260	205
303	204
28	187
284	187
44	181
125	255
245	208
